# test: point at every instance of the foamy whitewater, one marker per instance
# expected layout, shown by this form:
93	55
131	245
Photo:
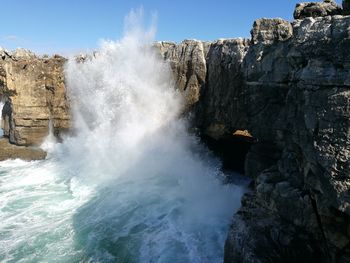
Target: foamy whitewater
131	184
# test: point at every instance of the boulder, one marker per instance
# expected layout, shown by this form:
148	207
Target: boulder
267	31
317	9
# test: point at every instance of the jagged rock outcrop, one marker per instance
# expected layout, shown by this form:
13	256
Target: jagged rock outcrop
288	87
205	73
298	109
222	96
34	93
187	61
317	9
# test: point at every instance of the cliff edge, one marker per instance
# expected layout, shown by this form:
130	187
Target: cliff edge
33	92
288	86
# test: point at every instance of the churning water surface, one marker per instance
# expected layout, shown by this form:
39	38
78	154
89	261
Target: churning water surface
131	184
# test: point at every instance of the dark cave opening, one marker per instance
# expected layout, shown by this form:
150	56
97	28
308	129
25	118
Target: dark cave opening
232	149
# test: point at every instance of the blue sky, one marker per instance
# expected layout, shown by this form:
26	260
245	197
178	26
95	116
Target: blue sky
66	26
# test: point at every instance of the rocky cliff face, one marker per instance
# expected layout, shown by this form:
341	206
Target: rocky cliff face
34	94
208	73
297	88
288	86
187	61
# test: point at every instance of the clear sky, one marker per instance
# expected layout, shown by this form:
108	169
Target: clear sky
66	26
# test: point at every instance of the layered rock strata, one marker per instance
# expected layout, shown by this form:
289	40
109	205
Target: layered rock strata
34	93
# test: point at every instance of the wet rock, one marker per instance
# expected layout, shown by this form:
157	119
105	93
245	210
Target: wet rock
259	236
10	151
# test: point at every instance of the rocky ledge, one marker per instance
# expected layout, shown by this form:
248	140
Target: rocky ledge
10	151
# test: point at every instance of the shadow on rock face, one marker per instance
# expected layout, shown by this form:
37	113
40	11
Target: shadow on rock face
231	149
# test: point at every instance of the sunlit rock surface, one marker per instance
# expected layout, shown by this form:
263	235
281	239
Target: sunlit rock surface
317	9
10	151
298	108
288	87
187	61
34	93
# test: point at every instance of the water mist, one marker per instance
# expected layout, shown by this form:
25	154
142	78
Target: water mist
131	185
1	107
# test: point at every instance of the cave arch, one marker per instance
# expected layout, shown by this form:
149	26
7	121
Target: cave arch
232	149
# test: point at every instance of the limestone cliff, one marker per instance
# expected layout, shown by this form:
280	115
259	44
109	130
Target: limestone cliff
298	106
34	94
187	61
288	86
206	73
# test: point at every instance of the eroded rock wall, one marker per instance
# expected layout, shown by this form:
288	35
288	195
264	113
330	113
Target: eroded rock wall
298	108
288	86
34	93
208	74
221	108
187	61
